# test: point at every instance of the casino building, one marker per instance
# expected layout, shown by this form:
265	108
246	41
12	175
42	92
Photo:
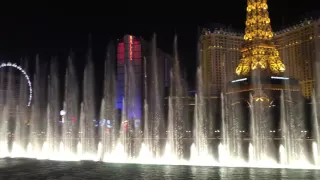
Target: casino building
134	75
298	47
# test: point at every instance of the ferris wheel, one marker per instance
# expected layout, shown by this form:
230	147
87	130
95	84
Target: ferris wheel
13	65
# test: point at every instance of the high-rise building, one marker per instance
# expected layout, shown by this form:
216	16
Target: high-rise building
299	47
220	55
134	74
129	56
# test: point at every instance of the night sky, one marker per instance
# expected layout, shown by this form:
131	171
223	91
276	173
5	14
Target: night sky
53	29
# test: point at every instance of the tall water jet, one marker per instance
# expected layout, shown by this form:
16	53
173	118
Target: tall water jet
262	144
156	96
22	117
104	132
200	121
11	100
34	124
124	142
132	110
316	130
87	127
147	136
233	127
224	153
109	130
36	130
71	107
176	108
261	124
53	135
7	95
47	147
315	115
17	145
3	115
293	131
82	128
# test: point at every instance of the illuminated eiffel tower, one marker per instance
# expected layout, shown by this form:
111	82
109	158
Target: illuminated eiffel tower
259	53
260	69
261	96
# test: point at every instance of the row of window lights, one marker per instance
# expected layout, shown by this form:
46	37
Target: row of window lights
211	47
302	24
297	42
186	131
66	133
240	35
217	131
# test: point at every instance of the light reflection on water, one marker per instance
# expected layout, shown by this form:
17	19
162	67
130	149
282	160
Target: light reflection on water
35	169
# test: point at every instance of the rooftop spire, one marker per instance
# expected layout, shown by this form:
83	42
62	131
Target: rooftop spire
258	22
259	53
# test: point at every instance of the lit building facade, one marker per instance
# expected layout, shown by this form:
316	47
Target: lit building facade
134	75
220	55
129	56
299	48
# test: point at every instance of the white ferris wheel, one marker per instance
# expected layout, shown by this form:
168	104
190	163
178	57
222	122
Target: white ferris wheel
13	65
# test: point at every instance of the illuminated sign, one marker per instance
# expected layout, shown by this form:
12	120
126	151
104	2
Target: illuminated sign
238	80
283	78
125	125
137	123
109	124
130	48
103	123
73	119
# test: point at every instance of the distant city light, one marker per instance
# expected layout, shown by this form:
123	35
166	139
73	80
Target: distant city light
125	125
73	119
9	64
102	122
276	77
238	80
109	124
137	123
62	112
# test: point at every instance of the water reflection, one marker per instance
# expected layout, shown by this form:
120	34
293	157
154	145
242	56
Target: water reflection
31	169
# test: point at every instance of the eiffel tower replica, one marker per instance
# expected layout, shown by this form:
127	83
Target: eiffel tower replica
260	69
261	82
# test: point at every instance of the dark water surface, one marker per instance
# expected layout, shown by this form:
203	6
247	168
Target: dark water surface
21	169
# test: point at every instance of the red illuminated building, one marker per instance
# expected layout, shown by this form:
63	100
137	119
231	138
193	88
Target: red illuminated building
134	55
